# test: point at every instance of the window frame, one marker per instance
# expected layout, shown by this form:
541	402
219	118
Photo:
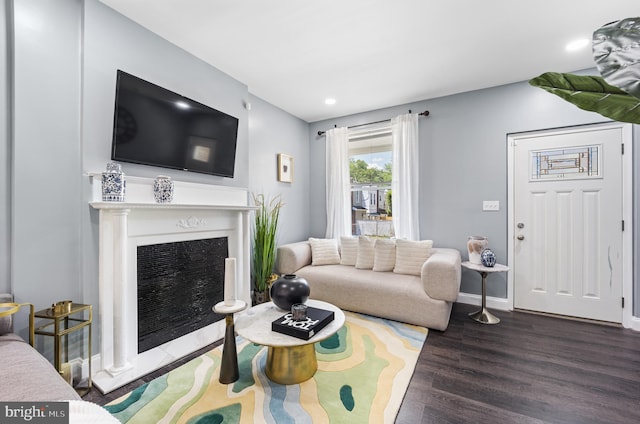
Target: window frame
373	138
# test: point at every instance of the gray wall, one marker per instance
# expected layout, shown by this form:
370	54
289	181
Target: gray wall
273	131
67	53
113	42
46	204
463	157
5	152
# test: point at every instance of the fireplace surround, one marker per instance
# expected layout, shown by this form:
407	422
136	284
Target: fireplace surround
198	212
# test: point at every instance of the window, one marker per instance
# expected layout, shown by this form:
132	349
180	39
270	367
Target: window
370	172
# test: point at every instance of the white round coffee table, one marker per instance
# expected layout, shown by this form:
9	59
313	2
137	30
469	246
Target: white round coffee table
289	360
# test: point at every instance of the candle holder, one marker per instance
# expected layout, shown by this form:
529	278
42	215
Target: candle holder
229	371
229	281
299	311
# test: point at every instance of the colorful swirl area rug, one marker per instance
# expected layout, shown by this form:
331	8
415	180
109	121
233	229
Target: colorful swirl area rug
363	374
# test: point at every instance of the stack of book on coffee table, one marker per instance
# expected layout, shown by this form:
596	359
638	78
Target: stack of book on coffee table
304	329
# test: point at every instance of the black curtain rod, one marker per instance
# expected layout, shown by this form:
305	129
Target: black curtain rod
425	113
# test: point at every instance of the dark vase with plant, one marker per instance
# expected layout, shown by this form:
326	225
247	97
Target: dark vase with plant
264	245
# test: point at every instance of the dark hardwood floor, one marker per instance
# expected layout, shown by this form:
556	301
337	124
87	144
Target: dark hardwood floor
527	369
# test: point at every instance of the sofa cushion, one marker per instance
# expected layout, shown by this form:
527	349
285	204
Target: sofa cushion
384	255
32	377
441	274
348	250
410	255
383	294
324	251
365	253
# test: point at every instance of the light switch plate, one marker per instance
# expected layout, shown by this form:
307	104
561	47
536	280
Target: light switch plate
491	205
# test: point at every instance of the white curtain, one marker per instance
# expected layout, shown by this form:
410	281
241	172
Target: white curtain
338	184
404	178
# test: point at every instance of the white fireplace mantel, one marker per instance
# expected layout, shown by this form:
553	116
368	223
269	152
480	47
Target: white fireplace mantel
139	191
167	206
198	211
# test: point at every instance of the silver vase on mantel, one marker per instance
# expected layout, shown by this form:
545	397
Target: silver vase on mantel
163	189
113	183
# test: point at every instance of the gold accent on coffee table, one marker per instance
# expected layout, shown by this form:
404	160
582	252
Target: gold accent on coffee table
291	364
289	360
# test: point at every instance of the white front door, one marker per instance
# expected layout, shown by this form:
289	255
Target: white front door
567	188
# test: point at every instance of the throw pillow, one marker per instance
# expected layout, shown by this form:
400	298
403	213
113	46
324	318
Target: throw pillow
324	251
384	255
410	255
348	250
364	259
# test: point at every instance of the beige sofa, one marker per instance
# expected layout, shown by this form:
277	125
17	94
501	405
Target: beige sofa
423	300
27	375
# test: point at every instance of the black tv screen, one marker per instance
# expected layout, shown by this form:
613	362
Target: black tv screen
155	126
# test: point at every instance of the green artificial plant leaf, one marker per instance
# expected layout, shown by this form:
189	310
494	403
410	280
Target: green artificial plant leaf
591	93
616	51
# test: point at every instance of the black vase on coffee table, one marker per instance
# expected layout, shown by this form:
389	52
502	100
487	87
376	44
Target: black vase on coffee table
288	290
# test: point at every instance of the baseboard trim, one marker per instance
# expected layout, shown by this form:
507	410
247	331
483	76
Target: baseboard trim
635	324
499	303
502	304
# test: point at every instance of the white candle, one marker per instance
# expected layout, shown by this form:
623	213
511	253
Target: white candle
229	281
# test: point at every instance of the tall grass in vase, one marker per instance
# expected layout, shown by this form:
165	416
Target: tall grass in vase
264	244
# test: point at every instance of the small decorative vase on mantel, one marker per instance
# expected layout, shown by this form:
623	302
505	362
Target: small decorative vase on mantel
163	189
475	246
113	183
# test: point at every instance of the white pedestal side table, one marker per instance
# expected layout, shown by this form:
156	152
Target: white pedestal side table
483	315
229	364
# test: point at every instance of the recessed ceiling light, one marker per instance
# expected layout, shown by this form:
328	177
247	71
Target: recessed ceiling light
182	105
330	101
578	44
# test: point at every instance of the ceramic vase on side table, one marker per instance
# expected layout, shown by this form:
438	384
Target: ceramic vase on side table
475	246
488	258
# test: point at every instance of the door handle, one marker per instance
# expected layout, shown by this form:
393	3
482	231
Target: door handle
520	237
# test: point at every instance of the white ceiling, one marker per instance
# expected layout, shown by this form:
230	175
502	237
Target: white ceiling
370	54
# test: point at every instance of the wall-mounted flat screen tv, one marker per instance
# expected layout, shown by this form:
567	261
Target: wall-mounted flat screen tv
155	126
